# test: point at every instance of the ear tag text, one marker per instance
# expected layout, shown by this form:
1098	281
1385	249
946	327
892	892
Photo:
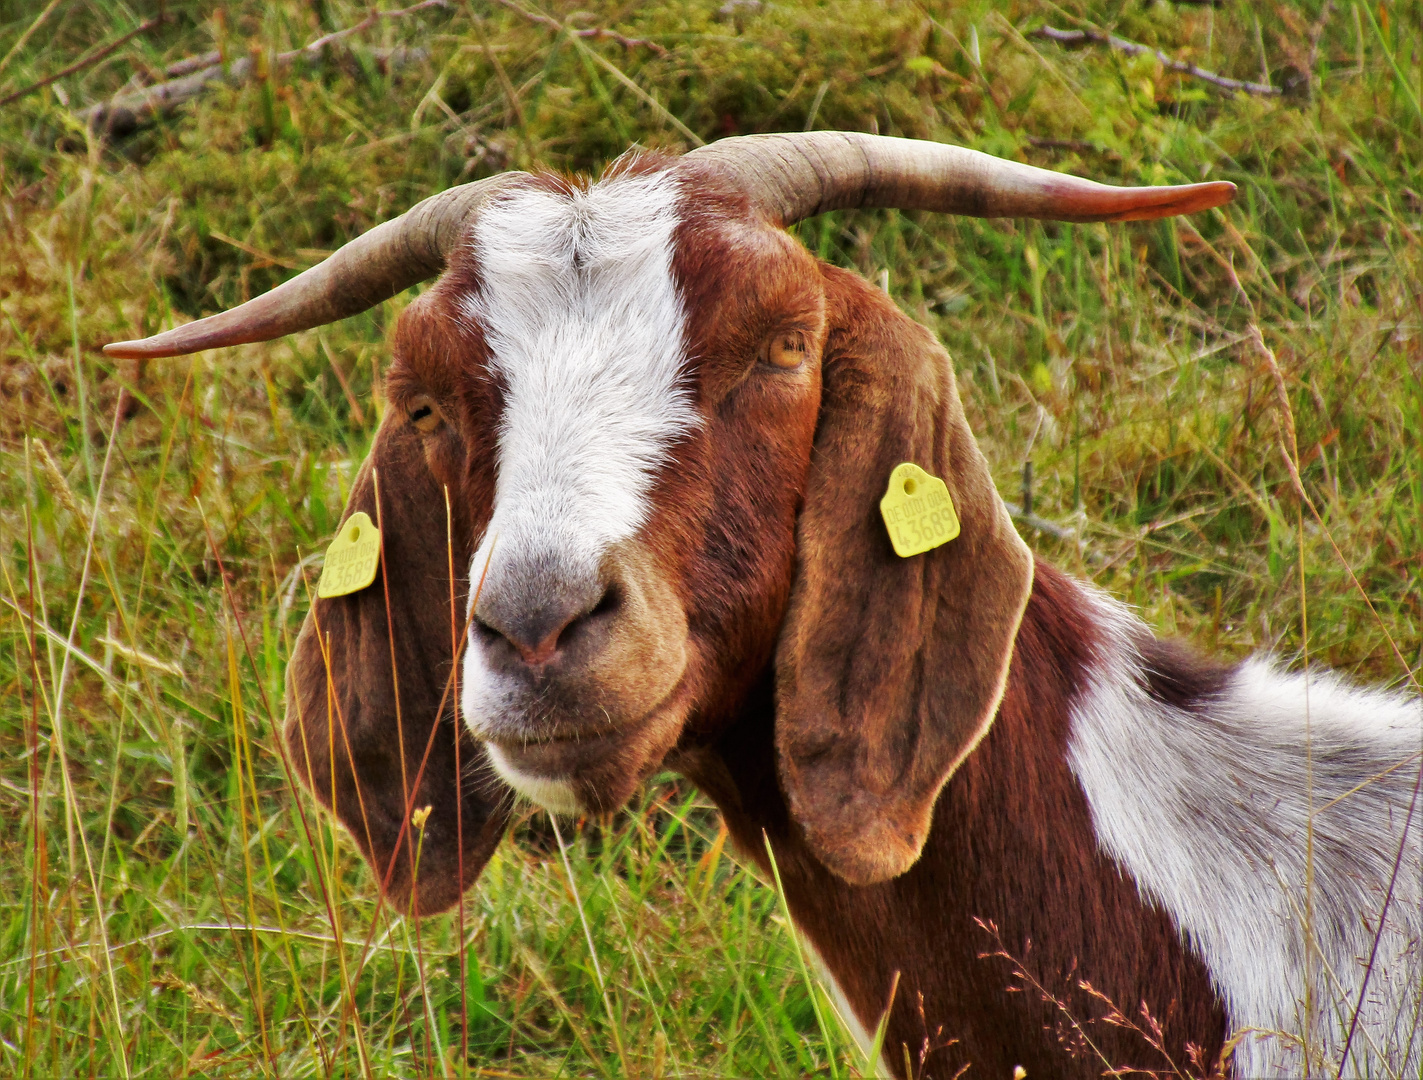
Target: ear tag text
352	558
917	511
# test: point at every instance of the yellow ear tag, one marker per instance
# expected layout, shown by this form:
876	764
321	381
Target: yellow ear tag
352	558
917	511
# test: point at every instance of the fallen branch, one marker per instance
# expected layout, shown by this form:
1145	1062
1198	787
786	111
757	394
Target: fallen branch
1132	48
1080	146
126	112
84	61
1041	524
589	32
192	63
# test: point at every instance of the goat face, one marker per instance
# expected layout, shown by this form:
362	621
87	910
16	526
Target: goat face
638	437
638	389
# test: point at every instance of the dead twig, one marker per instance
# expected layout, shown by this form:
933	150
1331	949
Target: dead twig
1041	524
1132	48
597	32
1080	146
85	61
128	111
315	47
190	64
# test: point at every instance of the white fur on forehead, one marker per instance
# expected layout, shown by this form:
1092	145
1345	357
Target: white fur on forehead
584	325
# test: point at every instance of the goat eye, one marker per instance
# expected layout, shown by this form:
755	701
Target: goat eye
787	350
423	415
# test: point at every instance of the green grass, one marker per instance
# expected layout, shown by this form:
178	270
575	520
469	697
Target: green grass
161	914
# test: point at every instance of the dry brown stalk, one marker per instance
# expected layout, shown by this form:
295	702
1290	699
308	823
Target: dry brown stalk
1078	1042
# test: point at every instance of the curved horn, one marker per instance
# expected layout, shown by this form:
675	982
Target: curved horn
373	267
796	176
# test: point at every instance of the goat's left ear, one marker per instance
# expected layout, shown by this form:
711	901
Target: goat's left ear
889	669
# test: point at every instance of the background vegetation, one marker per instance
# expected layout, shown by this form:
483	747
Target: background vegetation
160	914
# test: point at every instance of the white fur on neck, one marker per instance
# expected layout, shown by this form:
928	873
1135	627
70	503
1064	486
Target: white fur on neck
1207	810
854	1026
554	795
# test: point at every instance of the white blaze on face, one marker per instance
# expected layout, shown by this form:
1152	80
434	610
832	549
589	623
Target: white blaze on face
584	325
585	330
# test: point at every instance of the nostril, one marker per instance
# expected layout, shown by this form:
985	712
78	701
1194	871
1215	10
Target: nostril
607	605
486	632
612	600
539	632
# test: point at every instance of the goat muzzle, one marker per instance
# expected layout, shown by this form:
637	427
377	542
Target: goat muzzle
574	675
566	624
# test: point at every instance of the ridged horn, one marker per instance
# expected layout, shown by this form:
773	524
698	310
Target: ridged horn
791	177
373	267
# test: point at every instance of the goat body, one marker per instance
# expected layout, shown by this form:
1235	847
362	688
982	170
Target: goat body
1113	753
637	440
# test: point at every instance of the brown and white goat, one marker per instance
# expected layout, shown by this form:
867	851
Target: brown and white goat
661	430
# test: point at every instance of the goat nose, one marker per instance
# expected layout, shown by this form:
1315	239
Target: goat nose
539	631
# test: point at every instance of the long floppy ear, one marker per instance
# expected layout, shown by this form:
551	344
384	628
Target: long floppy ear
889	669
358	729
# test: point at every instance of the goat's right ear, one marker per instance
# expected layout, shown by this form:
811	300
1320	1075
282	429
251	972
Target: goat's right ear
889	669
368	691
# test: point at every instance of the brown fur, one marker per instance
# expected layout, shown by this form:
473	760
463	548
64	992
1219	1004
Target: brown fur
878	697
1011	844
824	689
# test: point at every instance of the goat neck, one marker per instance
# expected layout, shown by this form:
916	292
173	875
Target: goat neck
1012	865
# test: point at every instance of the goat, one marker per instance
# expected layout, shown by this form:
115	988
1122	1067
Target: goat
656	432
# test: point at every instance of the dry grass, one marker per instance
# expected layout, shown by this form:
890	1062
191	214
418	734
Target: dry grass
161	917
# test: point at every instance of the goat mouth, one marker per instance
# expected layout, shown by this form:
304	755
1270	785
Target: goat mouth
558	758
597	771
